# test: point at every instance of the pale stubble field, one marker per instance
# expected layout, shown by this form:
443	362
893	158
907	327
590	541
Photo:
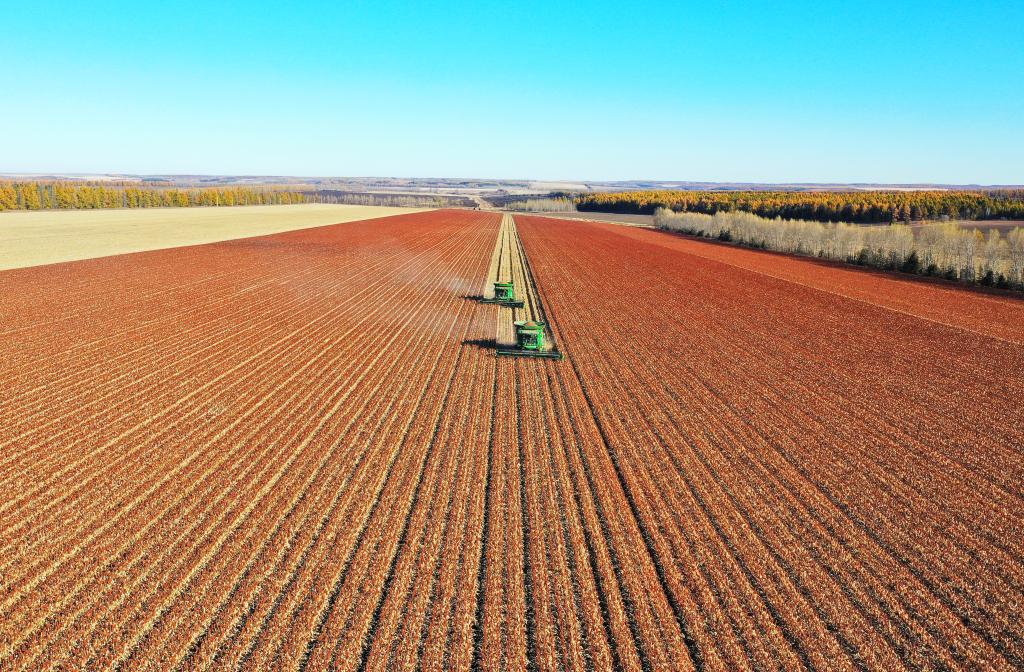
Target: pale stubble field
52	236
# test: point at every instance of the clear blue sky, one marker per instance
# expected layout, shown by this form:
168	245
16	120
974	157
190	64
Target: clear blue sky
725	91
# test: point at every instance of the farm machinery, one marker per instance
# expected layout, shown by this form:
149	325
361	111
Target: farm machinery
505	295
530	341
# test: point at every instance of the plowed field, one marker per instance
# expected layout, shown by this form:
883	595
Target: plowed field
300	452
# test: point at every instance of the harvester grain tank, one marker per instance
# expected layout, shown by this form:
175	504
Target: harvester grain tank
529	335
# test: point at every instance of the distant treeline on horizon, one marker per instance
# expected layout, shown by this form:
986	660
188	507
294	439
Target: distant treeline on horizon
76	196
864	207
392	200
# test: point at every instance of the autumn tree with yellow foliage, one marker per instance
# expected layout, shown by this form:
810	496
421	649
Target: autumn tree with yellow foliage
864	207
74	196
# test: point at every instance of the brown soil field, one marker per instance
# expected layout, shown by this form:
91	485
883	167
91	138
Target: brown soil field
299	451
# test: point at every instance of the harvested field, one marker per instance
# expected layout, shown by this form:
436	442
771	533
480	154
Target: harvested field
52	236
612	217
299	452
508	264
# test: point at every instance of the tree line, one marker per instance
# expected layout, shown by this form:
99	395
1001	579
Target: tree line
73	196
392	200
943	249
865	207
561	204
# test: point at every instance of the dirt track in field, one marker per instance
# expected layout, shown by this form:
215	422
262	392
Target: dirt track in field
297	451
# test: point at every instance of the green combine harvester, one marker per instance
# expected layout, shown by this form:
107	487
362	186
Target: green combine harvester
530	341
504	295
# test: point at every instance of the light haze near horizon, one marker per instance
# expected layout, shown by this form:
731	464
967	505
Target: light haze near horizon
909	92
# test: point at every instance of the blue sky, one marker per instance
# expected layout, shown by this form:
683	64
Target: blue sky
719	91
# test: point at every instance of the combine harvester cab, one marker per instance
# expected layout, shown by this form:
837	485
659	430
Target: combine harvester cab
505	295
531	341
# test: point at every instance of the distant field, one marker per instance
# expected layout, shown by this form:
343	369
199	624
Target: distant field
613	217
47	237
